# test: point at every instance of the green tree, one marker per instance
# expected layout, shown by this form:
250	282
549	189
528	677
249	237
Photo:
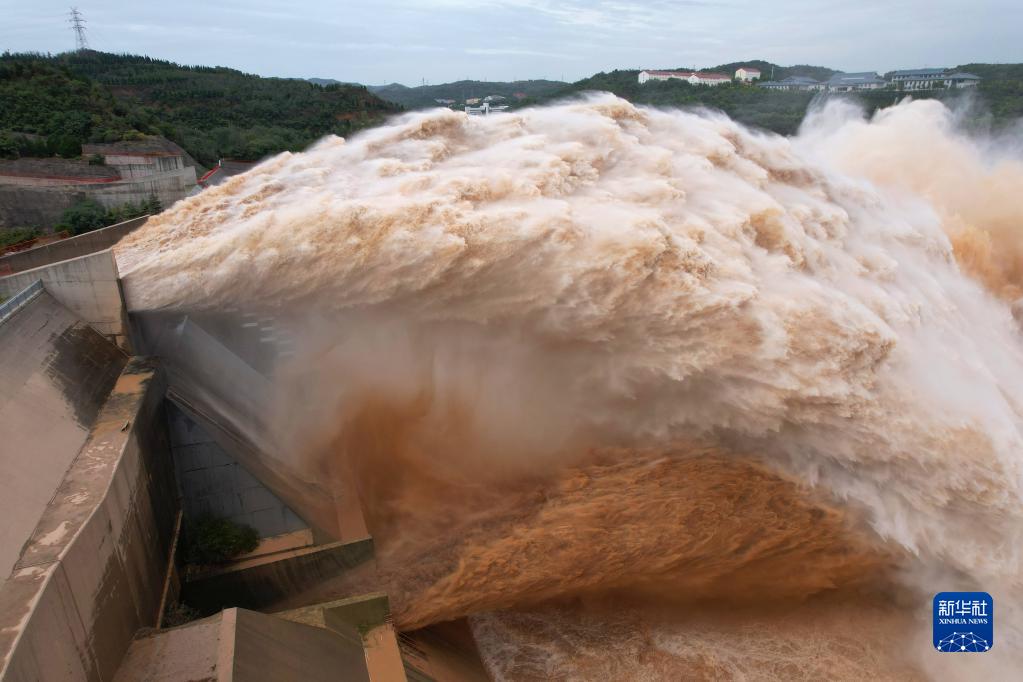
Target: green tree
83	217
211	540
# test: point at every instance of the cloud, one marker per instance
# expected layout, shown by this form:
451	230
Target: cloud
444	40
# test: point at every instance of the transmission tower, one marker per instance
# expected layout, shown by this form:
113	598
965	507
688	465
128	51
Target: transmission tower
77	22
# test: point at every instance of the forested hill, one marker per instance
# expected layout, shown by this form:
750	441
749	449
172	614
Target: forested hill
999	95
778	72
774	110
213	112
423	96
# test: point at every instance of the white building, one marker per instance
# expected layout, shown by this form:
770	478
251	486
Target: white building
793	83
932	79
747	74
691	77
863	80
645	76
486	109
709	79
961	79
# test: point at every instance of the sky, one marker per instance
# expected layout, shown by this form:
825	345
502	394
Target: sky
436	41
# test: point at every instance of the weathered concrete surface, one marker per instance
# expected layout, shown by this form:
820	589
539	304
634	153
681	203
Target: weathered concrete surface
55	374
213	482
217	369
364	621
183	654
273	548
88	286
444	652
237	645
92	573
295	578
25	205
367	620
39	207
73	247
272	649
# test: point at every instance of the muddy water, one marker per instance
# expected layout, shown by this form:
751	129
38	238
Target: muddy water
595	351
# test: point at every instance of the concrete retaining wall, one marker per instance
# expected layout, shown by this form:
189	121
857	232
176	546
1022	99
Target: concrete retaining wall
93	571
88	286
168	187
42	206
213	482
293	579
65	249
39	207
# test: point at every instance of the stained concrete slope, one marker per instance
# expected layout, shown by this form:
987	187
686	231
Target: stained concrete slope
55	373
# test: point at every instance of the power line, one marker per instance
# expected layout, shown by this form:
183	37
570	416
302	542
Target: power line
77	22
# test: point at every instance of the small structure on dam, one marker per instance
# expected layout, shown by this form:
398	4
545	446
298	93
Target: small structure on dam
118	433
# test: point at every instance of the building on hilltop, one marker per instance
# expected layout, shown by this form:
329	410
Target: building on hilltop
646	76
710	79
793	83
932	79
747	74
961	79
863	80
917	79
691	77
486	109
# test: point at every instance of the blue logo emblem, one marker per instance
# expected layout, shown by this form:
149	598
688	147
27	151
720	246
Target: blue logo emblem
964	622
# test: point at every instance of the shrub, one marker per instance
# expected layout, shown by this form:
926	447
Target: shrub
179	614
17	234
88	215
83	217
211	540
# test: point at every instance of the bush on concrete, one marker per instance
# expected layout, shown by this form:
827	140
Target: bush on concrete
211	540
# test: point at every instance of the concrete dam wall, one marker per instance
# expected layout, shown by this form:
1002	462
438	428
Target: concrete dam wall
65	249
93	571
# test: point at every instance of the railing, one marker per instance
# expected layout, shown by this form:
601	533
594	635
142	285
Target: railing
15	302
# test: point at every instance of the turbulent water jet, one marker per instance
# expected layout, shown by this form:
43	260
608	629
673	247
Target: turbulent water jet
513	314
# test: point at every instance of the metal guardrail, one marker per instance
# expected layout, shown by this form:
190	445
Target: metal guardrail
18	300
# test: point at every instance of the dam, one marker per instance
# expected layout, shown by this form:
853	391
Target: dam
588	391
117	430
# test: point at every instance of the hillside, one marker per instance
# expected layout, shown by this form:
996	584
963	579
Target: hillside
1002	88
212	112
56	109
778	111
776	71
424	96
1000	94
